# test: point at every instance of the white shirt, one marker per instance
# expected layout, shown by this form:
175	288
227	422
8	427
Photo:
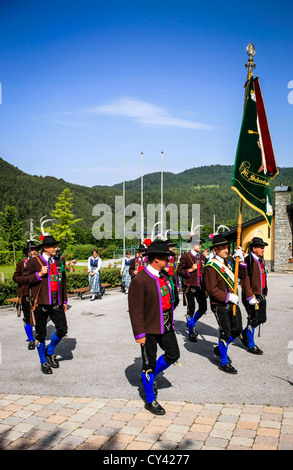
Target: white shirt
153	271
99	263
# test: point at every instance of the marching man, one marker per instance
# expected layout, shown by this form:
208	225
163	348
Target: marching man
46	275
151	307
190	268
219	283
23	291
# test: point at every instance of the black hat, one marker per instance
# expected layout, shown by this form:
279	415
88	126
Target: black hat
219	240
159	247
47	240
141	248
30	244
257	241
195	240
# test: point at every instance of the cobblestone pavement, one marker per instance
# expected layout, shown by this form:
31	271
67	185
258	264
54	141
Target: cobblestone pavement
68	423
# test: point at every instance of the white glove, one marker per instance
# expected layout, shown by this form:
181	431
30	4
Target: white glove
252	301
233	298
238	254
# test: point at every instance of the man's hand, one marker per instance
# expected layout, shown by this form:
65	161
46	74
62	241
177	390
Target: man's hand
44	271
65	307
194	268
141	341
233	298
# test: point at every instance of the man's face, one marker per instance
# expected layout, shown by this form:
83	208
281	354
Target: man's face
34	252
222	251
197	247
161	262
258	250
51	250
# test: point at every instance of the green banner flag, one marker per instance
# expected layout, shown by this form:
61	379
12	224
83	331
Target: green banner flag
251	177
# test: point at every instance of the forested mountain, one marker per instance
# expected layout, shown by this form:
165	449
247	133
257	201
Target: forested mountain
209	186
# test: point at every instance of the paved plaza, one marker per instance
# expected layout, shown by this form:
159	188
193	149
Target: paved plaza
94	400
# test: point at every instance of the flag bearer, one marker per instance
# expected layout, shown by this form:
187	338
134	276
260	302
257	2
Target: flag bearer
219	283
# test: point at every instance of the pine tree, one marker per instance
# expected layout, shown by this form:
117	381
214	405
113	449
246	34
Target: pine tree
62	229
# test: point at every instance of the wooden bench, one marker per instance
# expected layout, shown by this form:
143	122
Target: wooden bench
13	301
83	290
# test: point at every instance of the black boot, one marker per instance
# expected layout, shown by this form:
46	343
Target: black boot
46	369
228	368
155	408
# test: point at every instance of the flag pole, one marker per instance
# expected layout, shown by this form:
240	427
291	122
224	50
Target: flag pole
249	65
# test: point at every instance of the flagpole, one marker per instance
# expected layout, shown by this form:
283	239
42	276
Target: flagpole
249	65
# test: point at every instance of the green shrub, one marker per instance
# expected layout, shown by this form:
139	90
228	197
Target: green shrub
6	257
80	279
75	280
8	290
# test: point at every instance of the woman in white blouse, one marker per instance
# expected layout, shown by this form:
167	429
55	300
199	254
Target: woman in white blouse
94	266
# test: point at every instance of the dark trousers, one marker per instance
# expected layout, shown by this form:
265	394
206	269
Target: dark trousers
25	305
58	317
198	294
256	316
229	324
167	342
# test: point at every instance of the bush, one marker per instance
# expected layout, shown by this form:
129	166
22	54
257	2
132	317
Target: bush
6	257
8	290
108	276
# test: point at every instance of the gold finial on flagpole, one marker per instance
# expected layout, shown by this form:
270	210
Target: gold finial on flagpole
250	63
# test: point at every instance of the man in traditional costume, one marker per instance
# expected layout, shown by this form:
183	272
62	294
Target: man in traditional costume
46	276
190	269
219	283
139	262
151	307
254	292
23	291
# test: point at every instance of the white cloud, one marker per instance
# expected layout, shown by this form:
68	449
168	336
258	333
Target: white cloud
146	114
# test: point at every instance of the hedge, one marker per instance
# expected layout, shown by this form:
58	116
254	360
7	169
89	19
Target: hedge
8	289
6	257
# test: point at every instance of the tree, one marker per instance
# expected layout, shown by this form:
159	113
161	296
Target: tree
11	231
62	229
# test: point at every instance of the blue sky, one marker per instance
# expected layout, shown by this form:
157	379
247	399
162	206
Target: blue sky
88	83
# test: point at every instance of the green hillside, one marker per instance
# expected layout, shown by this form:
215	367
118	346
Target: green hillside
35	196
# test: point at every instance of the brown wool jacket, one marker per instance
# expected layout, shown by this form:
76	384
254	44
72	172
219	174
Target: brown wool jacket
252	284
216	287
22	289
134	264
145	305
42	284
185	263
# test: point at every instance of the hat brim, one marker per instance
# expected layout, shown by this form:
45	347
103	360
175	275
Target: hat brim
159	253
221	243
259	244
47	244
